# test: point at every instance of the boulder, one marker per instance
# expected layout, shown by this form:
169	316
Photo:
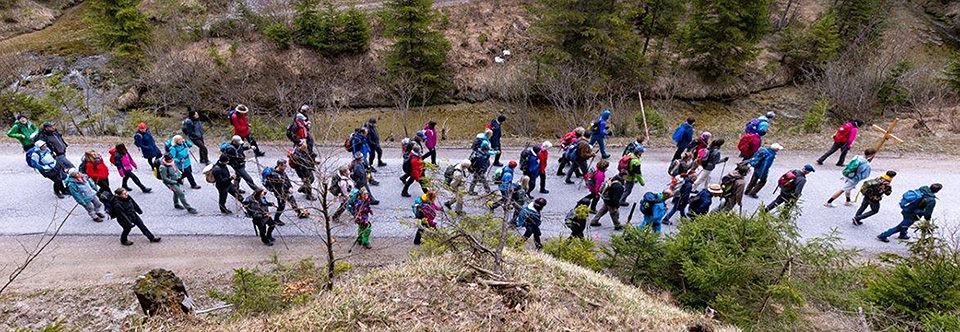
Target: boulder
161	292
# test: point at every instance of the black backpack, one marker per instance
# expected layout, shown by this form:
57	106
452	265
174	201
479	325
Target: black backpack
448	174
525	158
291	132
407	166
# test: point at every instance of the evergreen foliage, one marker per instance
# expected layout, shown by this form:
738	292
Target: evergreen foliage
331	31
953	74
810	48
419	51
119	25
578	251
658	19
279	34
857	19
722	34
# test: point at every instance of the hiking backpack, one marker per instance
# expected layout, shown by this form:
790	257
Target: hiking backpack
726	184
266	173
677	134
113	156
634	168
650	199
208	173
758	158
753	127
498	174
292	132
749	144
525	158
448	174
911	199
624	162
334	186
352	200
407	165
787	180
850	171
595	126
348	144
571	153
290	157
871	188
590	178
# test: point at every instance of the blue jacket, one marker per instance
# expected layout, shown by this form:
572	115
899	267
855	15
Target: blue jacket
83	197
683	135
602	130
359	145
863	170
497	131
147	145
506	178
924	210
180	153
529	217
702	204
762	161
533	164
44	160
659	210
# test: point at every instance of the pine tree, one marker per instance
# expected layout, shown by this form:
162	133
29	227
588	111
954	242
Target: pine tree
658	19
331	31
419	51
119	25
593	32
856	18
953	74
722	34
813	47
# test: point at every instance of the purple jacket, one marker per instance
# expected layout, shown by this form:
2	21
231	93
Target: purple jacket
598	177
431	134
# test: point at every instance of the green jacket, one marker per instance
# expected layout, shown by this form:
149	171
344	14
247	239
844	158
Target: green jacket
169	174
23	133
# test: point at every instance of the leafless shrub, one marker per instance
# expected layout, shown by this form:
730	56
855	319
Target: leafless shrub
577	93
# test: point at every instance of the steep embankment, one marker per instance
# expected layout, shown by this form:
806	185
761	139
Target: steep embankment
22	16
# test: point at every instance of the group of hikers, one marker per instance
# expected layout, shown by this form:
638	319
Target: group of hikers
690	190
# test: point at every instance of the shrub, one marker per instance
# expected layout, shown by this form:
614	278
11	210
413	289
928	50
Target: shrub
119	25
331	31
254	292
655	120
953	74
578	251
419	51
814	118
811	48
279	34
638	255
891	91
485	228
12	104
721	35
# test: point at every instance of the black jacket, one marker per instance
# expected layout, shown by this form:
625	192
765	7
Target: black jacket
359	174
54	141
373	136
258	210
277	182
712	158
303	161
798	184
193	129
221	174
238	159
614	192
127	211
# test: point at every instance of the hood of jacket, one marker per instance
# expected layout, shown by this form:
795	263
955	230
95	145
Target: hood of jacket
605	115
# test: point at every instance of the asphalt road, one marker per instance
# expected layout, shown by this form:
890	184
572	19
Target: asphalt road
28	204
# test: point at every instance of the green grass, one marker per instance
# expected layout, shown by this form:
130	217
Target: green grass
67	35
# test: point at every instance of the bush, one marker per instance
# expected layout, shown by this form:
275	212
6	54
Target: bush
119	25
721	35
485	228
655	120
12	104
578	251
279	34
331	31
814	118
953	74
254	292
811	48
891	91
638	255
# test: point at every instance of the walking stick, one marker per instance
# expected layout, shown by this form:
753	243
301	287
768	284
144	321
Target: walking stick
646	128
630	216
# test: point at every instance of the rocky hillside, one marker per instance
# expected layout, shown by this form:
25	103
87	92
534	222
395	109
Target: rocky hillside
23	16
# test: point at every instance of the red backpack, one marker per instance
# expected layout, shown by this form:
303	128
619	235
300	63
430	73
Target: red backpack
749	144
290	157
842	134
113	156
347	146
624	162
787	180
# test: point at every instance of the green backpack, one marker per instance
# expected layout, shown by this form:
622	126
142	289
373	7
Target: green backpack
851	170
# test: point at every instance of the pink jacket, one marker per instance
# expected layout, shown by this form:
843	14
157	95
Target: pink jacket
598	178
126	164
431	134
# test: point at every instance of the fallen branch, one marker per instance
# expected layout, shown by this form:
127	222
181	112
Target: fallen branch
41	245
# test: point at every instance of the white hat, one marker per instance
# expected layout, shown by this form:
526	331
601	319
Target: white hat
236	138
242	109
304	107
73	172
546	145
771	115
40	143
776	147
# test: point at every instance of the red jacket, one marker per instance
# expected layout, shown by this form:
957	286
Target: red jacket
543	155
302	131
240	125
416	167
96	171
847	133
568	138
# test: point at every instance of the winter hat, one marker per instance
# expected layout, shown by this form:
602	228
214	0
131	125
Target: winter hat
47	124
242	109
536	149
502	118
546	145
177	138
281	161
40	143
809	168
716	188
889	175
142	126
512	164
488	132
73	172
706	135
224	158
236	138
305	107
605	114
539	203
167	157
21	116
935	188
465	164
372	120
776	147
771	115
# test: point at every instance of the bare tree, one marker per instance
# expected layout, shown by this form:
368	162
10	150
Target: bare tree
34	252
402	90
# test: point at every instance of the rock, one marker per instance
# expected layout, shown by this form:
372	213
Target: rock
161	292
128	98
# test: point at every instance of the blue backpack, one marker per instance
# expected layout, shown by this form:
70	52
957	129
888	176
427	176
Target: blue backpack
266	173
352	200
911	199
677	133
753	127
650	199
571	153
29	156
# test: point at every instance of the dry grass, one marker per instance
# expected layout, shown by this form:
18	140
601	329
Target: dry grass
441	294
68	36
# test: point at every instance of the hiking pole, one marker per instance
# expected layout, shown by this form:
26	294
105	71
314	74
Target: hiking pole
630	216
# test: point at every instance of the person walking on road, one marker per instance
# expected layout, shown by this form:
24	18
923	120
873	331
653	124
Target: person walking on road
611	202
700	203
632	164
594	180
224	183
193	130
236	150
340	188
143	139
761	162
241	127
479	165
93	167
128	212
55	143
456	177
873	191
599	130
40	158
358	143
576	218
496	128
530	165
567	144
425	210
125	166
412	171
179	148
23	131
709	163
360	174
171	175
258	208
856	170
373	139
299	129
681	199
915	204
760	125
362	212
84	191
530	219
683	135
430	134
791	185
579	157
653	208
733	186
276	181
304	165
635	147
843	141
542	157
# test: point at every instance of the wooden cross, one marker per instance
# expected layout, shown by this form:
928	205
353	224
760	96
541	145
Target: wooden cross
887	134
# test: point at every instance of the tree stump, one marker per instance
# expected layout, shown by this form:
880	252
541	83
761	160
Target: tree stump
161	292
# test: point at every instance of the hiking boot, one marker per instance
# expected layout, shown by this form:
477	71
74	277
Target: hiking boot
544	191
155	240
498	164
538	245
101	215
404	194
605	157
819	162
268	243
838	165
128	189
280	223
567	181
829	205
195	187
381	164
178	207
374	182
311	198
373	169
259	153
561	173
97	219
126	243
595	224
754	196
448	204
191	211
59	195
367	245
375	202
624	204
146	190
241	191
882	239
618	227
225	211
903	237
857	222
